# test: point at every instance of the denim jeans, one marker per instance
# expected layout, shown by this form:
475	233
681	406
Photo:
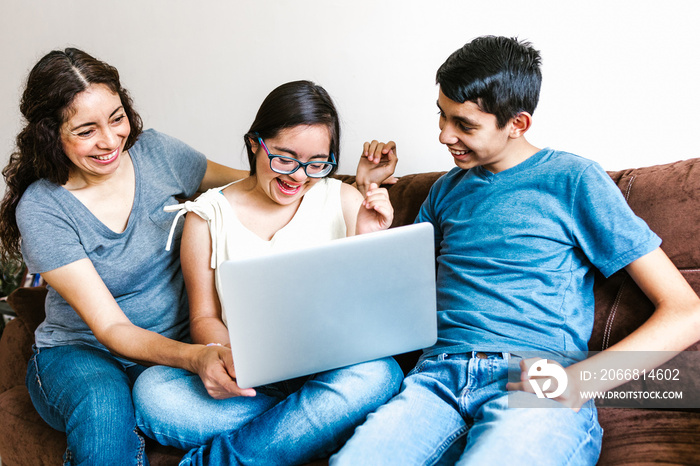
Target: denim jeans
453	409
86	393
290	422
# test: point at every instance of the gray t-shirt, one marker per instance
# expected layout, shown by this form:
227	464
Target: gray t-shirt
144	278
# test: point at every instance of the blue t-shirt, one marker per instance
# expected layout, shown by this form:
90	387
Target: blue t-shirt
145	279
516	251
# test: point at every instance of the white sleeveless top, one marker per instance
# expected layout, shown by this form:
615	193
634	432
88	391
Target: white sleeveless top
319	219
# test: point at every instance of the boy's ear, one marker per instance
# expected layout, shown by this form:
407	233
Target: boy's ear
519	124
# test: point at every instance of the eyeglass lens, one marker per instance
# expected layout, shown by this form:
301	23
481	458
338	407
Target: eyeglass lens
288	165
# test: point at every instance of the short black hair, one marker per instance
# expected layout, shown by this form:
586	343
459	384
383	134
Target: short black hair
500	74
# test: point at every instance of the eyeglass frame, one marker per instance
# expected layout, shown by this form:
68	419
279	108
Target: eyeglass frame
299	163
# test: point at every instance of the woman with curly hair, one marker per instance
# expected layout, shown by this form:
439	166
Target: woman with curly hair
84	202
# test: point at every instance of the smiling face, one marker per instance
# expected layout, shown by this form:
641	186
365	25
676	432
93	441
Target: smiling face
95	132
472	135
304	143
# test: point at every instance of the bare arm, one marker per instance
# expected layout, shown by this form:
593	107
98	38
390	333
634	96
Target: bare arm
219	175
674	325
206	325
351	201
81	286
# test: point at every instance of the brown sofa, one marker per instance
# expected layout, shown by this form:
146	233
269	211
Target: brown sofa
666	196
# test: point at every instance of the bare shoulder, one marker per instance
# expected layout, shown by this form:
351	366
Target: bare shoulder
236	193
349	193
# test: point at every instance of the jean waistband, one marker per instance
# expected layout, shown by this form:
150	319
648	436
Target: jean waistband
474	355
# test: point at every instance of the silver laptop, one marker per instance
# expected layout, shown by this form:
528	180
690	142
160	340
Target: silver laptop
344	302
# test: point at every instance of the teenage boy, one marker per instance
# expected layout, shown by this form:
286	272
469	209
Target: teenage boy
517	231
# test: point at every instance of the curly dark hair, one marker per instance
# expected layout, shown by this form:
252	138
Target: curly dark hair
51	88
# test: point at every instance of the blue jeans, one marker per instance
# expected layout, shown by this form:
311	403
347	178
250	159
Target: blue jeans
86	393
291	422
453	409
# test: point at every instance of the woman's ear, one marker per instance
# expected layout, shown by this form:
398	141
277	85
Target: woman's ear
519	124
253	142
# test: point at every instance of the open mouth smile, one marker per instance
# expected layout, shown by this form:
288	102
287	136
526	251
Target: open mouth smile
107	158
287	188
460	154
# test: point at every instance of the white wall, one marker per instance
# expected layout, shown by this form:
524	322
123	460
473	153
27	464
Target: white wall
620	77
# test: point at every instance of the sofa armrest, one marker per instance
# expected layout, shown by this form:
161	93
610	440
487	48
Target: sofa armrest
18	336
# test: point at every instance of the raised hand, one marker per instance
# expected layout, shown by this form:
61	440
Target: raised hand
376	212
377	164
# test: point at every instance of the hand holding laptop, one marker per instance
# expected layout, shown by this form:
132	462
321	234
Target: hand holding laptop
218	374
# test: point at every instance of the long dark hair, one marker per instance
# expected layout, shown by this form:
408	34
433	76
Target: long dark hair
292	104
51	87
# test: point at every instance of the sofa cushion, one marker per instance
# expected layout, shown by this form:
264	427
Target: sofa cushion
621	307
28	303
666	197
641	436
408	194
26	438
18	335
